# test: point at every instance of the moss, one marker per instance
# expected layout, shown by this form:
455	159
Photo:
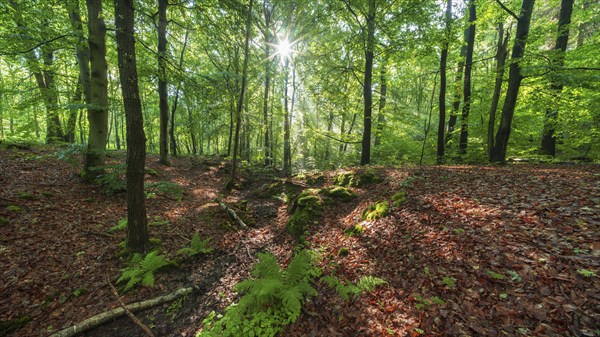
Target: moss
358	179
306	209
346	179
399	198
315	179
344	251
3	221
14	208
375	211
338	193
26	196
9	326
355	230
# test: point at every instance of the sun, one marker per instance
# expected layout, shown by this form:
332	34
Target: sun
284	49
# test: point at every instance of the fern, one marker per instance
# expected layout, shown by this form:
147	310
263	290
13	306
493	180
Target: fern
121	225
349	290
270	301
196	247
141	270
166	188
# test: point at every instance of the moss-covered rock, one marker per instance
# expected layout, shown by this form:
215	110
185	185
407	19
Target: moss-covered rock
282	189
375	211
13	208
356	179
305	211
399	198
355	230
340	193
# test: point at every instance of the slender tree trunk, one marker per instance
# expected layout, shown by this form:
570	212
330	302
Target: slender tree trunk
176	99
240	103
163	96
73	111
365	157
514	83
267	11
98	109
287	169
442	96
192	131
457	93
464	129
137	223
382	101
501	53
548	145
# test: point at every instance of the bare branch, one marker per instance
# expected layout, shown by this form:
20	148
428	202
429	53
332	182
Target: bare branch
508	10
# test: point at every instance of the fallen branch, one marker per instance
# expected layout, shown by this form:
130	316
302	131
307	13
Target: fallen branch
106	316
231	213
129	313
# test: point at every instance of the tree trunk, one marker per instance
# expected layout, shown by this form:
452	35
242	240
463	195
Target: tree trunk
382	101
173	141
457	93
163	96
442	96
287	150
464	127
98	108
268	10
240	103
548	145
514	82
365	157
501	53
137	223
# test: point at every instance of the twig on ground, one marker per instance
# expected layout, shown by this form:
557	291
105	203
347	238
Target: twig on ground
128	312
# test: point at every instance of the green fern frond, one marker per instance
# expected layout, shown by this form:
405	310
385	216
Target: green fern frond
267	267
350	290
368	283
141	270
148	280
197	246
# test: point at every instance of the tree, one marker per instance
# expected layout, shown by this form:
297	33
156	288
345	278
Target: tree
442	95
365	157
240	102
137	223
501	52
98	83
548	145
498	153
268	9
163	96
470	34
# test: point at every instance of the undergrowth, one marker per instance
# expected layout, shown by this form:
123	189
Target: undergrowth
196	247
141	270
271	300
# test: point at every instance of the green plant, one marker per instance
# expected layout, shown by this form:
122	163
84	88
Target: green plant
13	208
424	303
112	177
579	251
348	290
72	153
121	225
196	247
271	300
514	276
495	276
375	211
141	270
165	188
450	282
355	230
26	196
586	272
399	198
173	309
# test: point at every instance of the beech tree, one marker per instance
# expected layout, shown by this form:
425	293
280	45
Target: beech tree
548	145
137	222
498	153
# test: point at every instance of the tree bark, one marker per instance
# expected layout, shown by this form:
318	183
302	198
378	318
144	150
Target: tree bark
464	128
382	101
163	96
514	83
268	10
240	103
548	145
137	223
287	150
365	157
442	95
98	86
501	52
173	141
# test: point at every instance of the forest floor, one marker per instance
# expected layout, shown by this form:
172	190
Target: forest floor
508	250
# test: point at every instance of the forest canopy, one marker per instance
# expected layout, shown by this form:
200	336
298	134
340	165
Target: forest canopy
327	84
